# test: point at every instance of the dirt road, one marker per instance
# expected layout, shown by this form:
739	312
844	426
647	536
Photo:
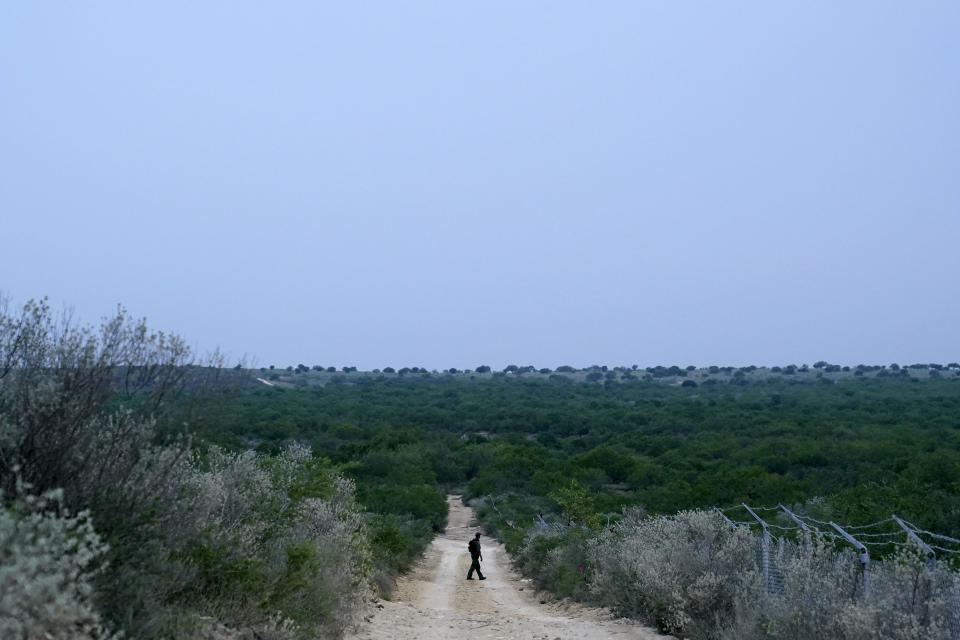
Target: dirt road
435	601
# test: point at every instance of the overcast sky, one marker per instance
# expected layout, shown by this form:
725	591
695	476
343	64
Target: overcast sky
449	184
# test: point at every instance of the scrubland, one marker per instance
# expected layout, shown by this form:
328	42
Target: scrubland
149	495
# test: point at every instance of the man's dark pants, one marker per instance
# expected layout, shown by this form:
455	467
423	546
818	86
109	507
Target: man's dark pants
475	567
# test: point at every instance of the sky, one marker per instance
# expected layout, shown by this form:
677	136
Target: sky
450	184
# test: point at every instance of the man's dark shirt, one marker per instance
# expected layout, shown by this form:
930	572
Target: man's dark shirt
474	547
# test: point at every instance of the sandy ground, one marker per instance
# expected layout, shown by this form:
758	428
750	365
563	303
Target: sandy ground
435	601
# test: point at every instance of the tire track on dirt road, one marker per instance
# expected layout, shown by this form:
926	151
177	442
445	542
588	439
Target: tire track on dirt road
436	602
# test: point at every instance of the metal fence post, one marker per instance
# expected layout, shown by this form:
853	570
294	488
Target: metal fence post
724	516
864	555
801	523
764	547
931	556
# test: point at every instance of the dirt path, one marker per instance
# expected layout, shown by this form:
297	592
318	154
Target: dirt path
435	601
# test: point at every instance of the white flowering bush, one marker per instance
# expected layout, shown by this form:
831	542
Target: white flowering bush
909	600
213	545
824	596
47	561
689	573
274	536
233	540
695	577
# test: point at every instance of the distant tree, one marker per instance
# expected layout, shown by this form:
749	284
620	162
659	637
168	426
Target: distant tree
452	370
389	370
331	369
691	368
510	368
290	367
594	376
271	367
895	367
545	371
565	369
317	367
482	369
688	383
820	364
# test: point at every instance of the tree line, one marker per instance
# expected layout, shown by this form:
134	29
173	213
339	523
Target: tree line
173	495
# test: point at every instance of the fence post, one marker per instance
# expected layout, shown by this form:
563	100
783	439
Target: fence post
803	525
931	556
764	547
864	555
724	516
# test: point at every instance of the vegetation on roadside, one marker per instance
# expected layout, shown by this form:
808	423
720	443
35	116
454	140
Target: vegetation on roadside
110	523
146	494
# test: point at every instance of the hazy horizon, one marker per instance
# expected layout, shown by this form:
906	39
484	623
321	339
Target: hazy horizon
446	186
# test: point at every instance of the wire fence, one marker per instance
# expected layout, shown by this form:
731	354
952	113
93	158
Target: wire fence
778	528
883	535
888	533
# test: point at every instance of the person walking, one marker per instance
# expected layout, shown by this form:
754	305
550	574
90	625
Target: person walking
474	548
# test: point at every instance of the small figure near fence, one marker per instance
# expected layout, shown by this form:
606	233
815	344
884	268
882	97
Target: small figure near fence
474	548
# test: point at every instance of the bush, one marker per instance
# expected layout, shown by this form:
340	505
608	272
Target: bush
693	576
47	561
274	535
556	560
823	597
689	574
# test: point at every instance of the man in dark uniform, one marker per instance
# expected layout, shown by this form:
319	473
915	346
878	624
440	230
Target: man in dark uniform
474	548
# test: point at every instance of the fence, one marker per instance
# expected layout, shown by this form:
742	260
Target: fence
780	527
883	534
899	533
